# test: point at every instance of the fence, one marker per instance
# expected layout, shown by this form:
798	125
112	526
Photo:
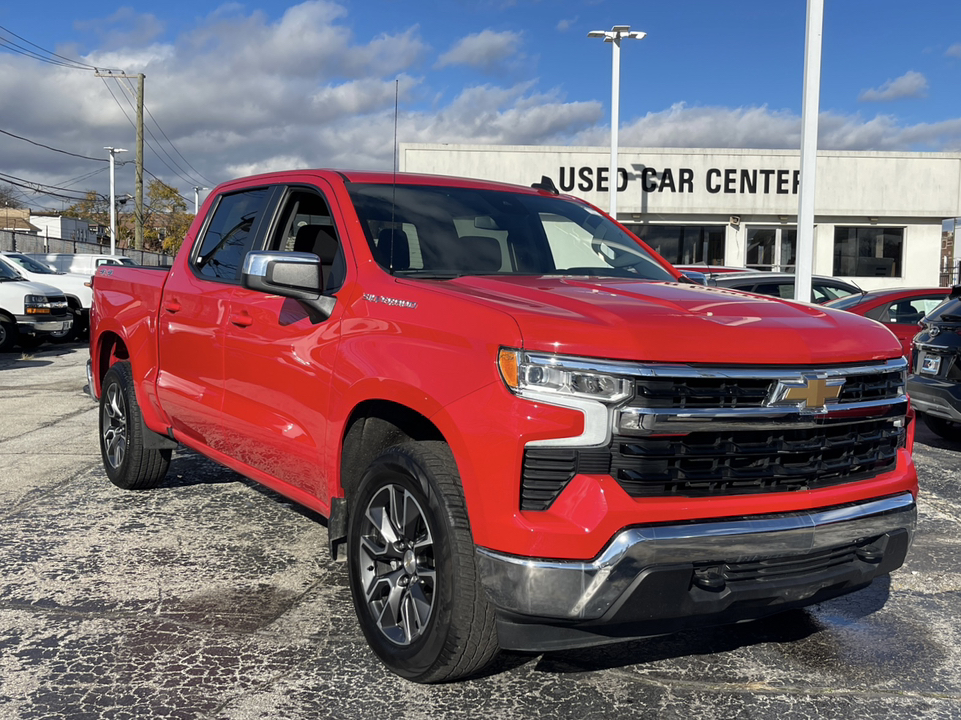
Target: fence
26	243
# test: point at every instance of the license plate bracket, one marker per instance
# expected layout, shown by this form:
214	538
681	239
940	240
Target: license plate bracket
931	364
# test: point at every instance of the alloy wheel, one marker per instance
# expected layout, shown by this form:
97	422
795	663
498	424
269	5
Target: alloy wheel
114	425
397	564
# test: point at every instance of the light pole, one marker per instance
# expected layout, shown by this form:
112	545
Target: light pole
614	36
197	190
113	208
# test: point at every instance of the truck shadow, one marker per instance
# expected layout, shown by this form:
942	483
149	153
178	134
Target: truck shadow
786	628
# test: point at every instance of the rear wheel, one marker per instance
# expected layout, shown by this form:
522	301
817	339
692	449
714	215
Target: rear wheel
413	578
128	463
945	428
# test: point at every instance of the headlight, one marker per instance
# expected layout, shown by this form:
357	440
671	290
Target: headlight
563	376
41	305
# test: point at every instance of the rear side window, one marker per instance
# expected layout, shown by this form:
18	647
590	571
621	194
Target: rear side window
229	234
948	311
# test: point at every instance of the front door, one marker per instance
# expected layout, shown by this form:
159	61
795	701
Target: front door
279	356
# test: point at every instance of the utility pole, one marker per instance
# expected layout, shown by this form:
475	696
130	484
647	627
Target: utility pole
138	185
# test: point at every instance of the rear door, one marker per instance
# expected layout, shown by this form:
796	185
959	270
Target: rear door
279	356
194	311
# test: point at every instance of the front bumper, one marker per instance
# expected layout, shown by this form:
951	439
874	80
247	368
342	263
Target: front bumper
655	579
36	324
935	396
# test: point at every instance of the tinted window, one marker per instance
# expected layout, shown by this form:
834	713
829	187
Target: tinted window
228	237
868	251
305	225
448	232
948	311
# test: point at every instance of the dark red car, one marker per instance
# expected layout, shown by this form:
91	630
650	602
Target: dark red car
900	309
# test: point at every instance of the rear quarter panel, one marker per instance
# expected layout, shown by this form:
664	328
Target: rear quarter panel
126	307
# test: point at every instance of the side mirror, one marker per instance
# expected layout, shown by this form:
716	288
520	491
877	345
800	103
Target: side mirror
288	274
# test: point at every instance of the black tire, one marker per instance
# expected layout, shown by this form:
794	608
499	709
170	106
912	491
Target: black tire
8	335
413	577
31	342
945	428
128	463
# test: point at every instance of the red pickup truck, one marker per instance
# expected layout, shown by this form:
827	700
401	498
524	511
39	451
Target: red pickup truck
526	429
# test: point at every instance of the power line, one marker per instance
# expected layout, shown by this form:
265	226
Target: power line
41	189
172	188
61	60
47	147
179	171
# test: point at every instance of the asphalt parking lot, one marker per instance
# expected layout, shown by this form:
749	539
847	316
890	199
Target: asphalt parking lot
212	598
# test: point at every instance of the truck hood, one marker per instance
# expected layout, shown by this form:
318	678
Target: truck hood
675	322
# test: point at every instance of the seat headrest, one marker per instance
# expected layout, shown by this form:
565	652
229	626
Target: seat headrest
480	253
393	243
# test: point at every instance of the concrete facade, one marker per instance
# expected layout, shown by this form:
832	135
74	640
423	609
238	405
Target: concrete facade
890	206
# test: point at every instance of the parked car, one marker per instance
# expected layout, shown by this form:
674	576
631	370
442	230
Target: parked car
29	311
935	385
781	285
80	263
900	309
75	287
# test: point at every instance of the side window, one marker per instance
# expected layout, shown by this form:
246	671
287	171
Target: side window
909	311
228	237
305	225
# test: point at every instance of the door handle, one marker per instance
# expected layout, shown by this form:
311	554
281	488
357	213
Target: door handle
242	320
172	306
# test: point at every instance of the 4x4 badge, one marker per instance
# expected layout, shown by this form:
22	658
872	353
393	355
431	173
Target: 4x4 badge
808	393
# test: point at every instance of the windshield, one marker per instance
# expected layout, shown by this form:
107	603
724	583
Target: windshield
34	266
845	303
444	232
8	273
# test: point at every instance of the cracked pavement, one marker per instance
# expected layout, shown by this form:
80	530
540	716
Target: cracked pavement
212	598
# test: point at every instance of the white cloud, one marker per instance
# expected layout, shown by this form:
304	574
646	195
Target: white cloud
910	85
566	24
240	92
954	51
487	50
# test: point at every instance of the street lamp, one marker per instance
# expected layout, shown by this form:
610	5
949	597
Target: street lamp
614	36
113	209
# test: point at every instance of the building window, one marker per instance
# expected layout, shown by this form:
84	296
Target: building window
684	244
771	248
868	251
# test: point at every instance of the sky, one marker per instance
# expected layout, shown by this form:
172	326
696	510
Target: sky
239	88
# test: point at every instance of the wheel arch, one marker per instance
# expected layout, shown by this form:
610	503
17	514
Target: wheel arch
372	427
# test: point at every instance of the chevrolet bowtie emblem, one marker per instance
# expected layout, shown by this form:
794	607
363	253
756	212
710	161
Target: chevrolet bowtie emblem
807	393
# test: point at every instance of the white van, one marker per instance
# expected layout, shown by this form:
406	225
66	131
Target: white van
29	311
80	263
75	287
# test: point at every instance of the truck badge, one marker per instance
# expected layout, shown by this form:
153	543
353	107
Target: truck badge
809	393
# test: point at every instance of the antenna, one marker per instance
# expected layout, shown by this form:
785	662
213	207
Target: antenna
393	194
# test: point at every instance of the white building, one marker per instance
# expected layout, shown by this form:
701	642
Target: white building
878	215
55	225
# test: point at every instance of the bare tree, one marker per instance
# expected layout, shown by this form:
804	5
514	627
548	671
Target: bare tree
9	196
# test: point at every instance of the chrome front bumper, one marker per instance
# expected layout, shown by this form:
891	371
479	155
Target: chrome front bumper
586	591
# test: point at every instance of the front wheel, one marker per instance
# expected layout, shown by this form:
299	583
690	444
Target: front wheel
8	335
128	463
411	564
944	428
